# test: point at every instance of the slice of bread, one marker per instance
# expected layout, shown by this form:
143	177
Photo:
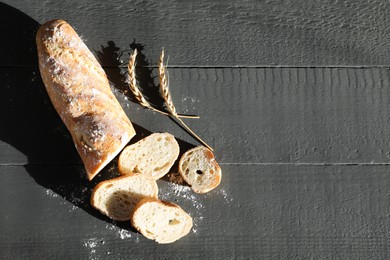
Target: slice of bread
162	221
116	198
153	156
200	170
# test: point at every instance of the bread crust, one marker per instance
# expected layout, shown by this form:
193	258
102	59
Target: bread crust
80	92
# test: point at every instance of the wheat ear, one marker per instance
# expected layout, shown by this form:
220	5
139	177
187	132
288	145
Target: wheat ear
135	89
164	90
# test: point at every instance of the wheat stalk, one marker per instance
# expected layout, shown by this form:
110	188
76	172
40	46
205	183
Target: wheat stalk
135	89
164	90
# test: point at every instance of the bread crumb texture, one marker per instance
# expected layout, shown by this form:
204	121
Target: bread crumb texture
116	198
153	156
161	221
200	170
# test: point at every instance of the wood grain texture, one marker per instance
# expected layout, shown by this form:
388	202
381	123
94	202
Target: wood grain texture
249	115
222	33
293	95
259	212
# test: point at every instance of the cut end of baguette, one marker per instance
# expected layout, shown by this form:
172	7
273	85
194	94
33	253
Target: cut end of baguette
153	156
161	221
117	198
200	170
94	168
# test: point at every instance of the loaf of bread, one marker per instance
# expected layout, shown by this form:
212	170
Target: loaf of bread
162	221
80	92
116	198
200	170
154	156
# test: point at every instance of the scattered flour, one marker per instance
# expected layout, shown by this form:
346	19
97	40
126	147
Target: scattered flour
190	99
226	196
92	244
72	201
179	192
71	207
188	104
52	193
95	244
121	233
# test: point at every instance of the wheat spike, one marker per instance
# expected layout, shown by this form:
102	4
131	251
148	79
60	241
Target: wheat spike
133	82
135	89
164	90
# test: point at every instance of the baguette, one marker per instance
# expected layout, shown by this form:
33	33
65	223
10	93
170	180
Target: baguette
162	221
153	156
116	198
80	92
200	170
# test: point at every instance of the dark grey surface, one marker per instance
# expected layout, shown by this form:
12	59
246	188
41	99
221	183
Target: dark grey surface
278	211
304	149
229	33
250	115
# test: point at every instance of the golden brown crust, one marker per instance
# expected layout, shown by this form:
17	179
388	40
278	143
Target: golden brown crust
80	92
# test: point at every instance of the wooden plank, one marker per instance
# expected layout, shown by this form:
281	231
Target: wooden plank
215	33
249	115
262	212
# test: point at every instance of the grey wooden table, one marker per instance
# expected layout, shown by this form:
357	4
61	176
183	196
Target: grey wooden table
293	95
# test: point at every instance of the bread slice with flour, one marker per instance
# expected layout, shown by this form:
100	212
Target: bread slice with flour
153	156
162	221
200	170
117	198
